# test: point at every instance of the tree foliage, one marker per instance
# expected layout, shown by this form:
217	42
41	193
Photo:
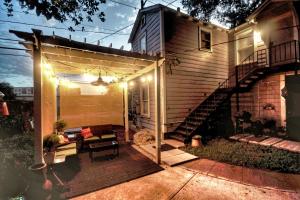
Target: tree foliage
7	90
229	12
61	10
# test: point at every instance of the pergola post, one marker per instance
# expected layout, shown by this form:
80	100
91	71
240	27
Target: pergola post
157	114
37	103
126	113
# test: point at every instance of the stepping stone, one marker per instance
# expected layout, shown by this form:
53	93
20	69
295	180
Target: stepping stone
246	139
178	159
174	143
288	145
257	140
172	152
270	141
239	136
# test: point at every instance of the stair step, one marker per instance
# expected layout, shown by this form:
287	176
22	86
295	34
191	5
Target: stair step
254	77
176	136
248	81
195	123
182	132
188	127
196	118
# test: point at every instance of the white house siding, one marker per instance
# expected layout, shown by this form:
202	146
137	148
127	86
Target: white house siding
144	122
198	73
152	31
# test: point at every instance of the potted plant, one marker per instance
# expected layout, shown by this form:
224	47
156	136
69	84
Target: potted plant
196	141
59	126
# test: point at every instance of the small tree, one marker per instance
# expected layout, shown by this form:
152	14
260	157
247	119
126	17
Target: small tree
61	10
231	12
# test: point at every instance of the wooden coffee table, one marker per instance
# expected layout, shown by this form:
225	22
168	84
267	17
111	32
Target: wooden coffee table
101	146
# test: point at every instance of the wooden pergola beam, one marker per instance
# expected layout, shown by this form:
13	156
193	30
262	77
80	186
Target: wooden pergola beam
67	43
61	51
90	62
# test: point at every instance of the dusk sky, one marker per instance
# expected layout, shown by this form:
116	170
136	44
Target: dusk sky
17	70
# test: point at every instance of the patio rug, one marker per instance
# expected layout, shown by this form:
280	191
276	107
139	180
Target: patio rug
81	176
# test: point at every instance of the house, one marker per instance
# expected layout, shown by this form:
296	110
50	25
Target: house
210	73
182	76
23	93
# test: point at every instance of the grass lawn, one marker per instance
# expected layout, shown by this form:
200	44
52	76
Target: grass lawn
249	155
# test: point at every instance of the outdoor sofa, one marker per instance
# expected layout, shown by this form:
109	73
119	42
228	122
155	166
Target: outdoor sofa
100	133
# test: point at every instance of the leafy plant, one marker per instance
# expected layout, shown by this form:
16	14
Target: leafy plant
60	125
270	127
51	141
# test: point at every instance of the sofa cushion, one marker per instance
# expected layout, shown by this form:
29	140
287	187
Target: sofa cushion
86	133
93	138
108	136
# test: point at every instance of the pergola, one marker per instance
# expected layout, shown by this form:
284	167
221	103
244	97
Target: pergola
73	57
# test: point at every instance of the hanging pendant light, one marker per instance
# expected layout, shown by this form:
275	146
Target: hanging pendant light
99	81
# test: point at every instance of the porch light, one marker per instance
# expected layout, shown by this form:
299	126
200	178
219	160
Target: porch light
257	37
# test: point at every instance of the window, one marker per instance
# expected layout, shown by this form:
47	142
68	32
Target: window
144	96
205	40
143	21
143	44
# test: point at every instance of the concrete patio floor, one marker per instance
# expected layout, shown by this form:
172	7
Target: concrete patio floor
191	182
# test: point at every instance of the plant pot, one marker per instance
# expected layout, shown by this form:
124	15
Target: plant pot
196	141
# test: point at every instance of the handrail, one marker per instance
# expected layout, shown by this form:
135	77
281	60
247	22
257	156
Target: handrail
258	59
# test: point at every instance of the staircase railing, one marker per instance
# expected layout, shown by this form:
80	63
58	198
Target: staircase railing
259	59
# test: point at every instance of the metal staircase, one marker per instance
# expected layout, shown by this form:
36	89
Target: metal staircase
253	68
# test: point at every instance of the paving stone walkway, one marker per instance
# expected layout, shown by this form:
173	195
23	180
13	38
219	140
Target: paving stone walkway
279	143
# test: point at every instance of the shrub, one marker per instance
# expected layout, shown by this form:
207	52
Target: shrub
16	155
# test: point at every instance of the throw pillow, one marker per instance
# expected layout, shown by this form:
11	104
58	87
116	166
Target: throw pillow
86	133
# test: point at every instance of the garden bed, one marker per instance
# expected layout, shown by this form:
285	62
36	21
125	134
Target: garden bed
248	155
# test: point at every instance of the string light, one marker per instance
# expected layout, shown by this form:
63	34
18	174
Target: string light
143	79
149	78
123	85
131	83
